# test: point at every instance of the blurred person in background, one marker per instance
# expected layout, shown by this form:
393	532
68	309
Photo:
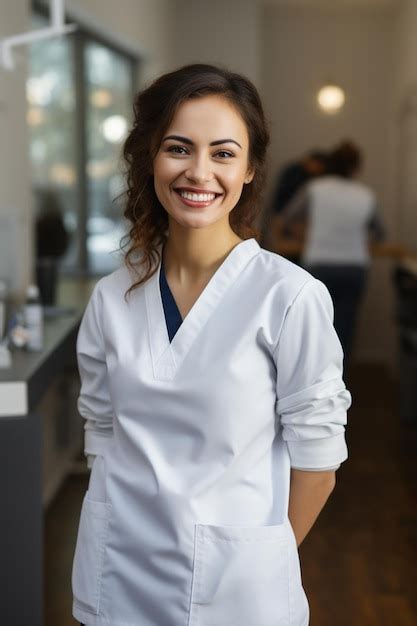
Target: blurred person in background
51	242
295	175
291	179
341	219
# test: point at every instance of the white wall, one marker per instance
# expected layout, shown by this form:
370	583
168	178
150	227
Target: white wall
302	49
219	31
404	152
15	197
406	45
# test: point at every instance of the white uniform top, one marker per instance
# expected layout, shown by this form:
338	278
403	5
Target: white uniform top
185	521
342	213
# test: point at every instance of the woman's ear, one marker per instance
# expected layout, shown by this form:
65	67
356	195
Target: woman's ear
249	176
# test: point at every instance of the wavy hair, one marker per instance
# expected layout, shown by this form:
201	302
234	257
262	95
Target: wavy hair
154	108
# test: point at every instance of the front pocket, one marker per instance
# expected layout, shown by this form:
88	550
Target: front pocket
241	576
89	553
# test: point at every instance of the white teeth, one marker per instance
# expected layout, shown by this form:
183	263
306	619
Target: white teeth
198	197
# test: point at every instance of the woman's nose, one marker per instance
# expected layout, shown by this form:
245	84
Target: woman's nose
199	169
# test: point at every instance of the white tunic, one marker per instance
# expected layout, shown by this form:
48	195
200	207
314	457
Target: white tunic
185	521
342	214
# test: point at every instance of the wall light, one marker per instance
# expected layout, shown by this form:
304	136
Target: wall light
331	99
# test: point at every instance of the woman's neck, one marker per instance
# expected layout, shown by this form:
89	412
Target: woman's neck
190	257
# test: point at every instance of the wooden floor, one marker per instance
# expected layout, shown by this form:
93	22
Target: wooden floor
358	562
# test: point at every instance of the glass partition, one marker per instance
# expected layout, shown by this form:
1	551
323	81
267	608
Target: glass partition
108	116
50	94
79	107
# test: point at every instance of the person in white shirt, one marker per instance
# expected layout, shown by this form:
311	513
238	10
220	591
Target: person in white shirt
342	218
212	389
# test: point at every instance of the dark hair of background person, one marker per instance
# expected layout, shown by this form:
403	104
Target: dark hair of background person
319	155
345	160
154	108
315	162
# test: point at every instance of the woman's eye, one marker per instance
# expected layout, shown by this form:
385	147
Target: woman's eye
225	154
177	149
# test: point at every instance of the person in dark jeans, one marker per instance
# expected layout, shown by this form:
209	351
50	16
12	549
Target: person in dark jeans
341	218
346	284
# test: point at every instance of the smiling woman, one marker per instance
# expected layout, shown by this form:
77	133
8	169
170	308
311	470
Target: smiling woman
211	382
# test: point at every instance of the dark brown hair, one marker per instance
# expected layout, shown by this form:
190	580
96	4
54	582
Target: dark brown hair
154	108
345	159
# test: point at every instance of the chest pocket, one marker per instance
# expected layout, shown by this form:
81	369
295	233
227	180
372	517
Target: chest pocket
242	576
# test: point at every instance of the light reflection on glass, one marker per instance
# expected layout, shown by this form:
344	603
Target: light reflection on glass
114	128
35	116
109	80
101	98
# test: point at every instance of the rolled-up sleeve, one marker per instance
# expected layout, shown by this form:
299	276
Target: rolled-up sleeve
94	403
312	399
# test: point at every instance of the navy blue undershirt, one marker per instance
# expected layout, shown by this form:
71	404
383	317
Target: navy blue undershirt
173	317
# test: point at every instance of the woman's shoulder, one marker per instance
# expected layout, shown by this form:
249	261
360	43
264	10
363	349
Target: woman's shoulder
117	283
277	285
275	263
116	280
275	271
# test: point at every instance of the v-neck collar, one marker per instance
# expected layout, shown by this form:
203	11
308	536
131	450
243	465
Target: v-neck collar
167	356
173	317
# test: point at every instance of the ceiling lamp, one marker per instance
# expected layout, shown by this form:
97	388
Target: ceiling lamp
331	99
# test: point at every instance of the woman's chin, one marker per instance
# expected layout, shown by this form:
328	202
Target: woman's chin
194	221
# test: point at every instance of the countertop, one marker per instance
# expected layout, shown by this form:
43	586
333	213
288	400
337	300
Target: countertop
23	384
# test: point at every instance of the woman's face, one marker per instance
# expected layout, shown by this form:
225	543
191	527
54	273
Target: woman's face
202	162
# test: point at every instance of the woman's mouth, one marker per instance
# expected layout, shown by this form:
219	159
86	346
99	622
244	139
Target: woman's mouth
196	200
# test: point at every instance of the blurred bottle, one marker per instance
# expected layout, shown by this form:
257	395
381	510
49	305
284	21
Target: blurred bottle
34	318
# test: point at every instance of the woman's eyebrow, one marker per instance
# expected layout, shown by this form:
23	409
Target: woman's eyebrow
191	143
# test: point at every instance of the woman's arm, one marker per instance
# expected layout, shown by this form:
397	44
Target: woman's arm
309	492
312	402
94	403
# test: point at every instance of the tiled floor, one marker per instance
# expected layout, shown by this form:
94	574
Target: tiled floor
358	562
